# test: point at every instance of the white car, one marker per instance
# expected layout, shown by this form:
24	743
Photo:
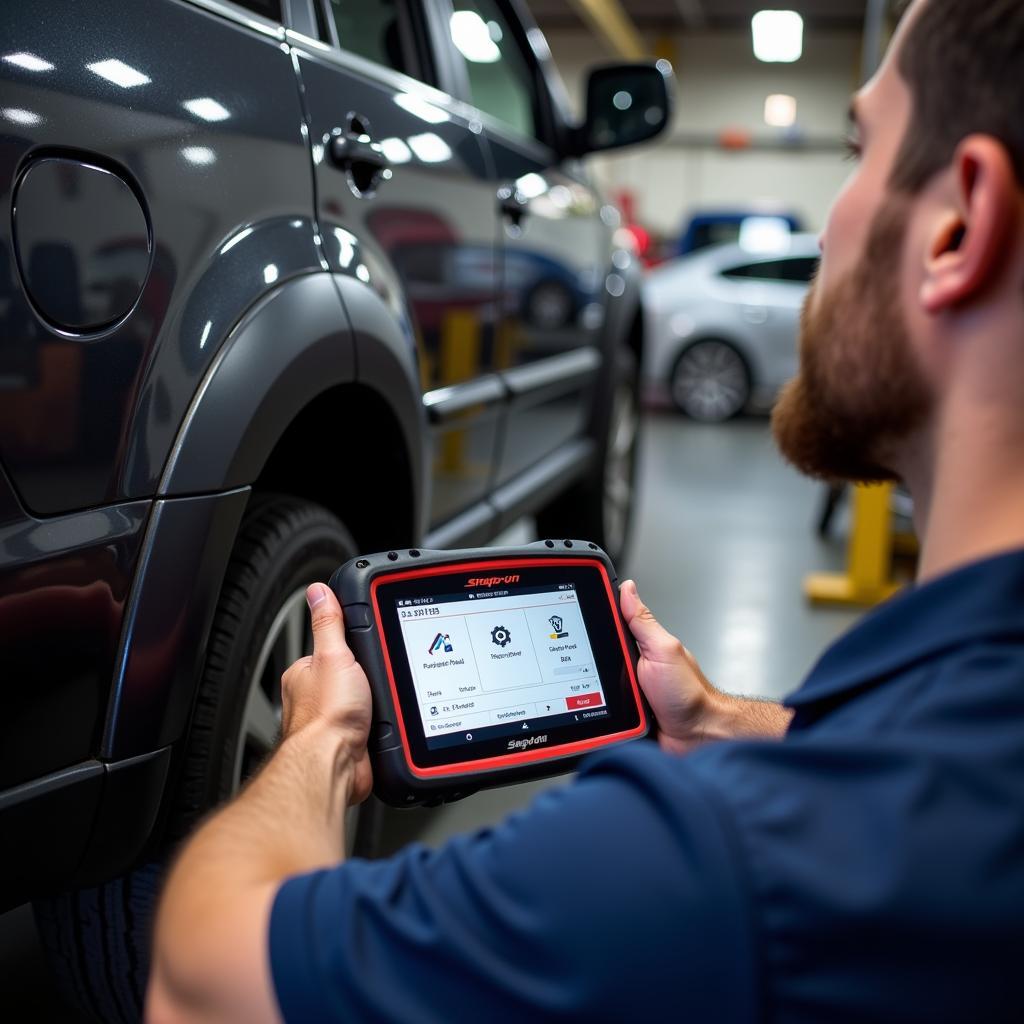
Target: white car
722	326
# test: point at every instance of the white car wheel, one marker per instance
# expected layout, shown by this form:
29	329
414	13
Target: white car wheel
710	381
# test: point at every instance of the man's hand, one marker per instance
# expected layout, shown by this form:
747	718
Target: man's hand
689	709
330	690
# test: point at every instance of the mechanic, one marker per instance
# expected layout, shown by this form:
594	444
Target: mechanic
856	854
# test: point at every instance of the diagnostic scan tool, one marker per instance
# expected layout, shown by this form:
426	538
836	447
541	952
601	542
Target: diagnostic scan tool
489	666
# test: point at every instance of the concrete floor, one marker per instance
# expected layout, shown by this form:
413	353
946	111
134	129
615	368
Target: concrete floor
724	537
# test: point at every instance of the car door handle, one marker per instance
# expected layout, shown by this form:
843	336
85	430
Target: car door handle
512	205
348	151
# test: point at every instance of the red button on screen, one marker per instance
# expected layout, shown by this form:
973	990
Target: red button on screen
589	700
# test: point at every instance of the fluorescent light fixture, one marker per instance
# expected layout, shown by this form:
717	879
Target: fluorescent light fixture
116	71
420	108
206	334
29	61
778	36
430	148
395	150
271	273
201	156
207	109
780	110
20	116
472	38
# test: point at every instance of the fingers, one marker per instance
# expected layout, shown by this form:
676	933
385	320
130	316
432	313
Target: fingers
328	627
655	642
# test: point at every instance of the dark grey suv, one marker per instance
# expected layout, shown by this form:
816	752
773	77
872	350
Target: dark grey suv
279	280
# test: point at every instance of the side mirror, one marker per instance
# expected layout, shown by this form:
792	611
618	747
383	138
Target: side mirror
626	104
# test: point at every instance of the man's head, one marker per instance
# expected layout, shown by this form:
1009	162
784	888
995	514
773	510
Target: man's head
922	249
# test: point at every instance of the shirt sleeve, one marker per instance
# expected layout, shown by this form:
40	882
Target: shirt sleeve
615	898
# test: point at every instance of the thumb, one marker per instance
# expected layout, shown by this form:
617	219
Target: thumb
655	642
328	626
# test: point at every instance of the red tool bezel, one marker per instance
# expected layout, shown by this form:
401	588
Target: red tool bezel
527	756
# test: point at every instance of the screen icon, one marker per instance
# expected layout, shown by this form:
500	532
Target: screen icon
556	625
500	636
442	640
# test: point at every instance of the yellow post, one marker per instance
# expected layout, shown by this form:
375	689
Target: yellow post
867	578
459	361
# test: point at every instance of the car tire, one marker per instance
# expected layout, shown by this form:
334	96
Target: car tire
599	507
710	381
98	938
549	305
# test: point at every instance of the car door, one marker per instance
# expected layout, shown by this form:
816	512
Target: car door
551	235
770	298
406	205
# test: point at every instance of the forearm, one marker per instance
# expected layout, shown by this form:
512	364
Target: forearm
729	717
289	819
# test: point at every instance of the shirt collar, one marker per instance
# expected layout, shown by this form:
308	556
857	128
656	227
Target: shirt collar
981	600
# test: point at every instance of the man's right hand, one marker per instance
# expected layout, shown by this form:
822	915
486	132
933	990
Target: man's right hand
689	709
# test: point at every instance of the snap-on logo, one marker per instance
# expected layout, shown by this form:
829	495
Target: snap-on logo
491	581
533	741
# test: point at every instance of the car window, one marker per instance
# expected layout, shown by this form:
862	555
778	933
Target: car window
268	8
501	77
374	30
797	269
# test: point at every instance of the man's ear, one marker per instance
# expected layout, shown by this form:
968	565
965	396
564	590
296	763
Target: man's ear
969	242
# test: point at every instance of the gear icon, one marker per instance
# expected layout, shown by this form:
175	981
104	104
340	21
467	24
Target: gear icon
500	636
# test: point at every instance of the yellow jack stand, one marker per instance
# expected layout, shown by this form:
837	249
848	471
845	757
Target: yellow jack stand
867	578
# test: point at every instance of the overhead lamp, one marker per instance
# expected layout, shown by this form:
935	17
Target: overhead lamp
28	61
473	39
780	110
116	71
778	36
207	109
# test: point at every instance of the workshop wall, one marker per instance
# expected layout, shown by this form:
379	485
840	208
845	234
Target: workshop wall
722	88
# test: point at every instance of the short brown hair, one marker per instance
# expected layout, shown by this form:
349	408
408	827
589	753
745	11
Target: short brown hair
964	63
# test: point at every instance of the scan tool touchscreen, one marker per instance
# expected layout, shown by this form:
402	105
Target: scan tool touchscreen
492	662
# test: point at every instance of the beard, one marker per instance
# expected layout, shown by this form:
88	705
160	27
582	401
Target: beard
860	391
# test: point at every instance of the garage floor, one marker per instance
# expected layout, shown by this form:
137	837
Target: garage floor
724	537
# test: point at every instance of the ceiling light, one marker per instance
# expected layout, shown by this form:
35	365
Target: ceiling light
29	61
778	36
116	71
206	108
780	110
472	38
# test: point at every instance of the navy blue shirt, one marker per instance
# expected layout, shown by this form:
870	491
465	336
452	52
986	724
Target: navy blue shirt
868	866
